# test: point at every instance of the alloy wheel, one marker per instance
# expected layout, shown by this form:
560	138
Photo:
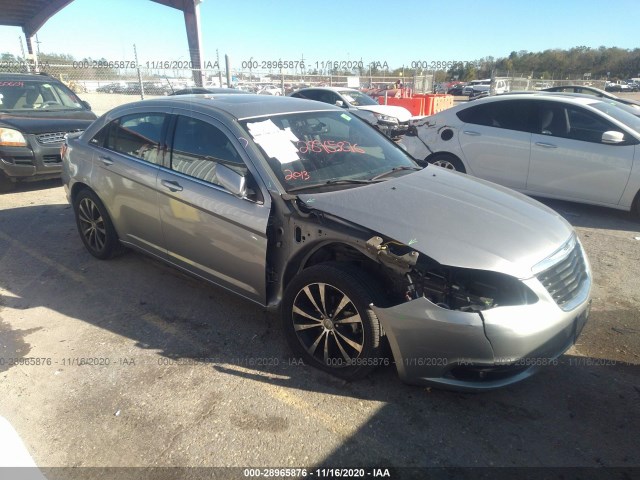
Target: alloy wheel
328	325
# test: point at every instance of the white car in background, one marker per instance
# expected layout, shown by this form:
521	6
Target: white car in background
390	119
574	148
269	90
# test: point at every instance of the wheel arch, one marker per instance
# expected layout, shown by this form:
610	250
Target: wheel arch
335	251
431	157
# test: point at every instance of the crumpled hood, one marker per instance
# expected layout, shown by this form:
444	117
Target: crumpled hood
45	122
455	219
401	113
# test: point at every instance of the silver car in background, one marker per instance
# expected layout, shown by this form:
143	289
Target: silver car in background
307	210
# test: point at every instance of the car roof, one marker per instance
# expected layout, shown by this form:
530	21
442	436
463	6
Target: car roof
584	87
330	89
240	106
545	96
15	77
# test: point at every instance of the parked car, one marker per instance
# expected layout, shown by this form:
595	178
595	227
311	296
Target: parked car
457	89
616	87
111	87
391	120
156	88
303	208
269	90
569	147
586	90
36	112
205	90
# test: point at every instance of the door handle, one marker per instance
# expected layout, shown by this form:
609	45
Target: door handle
546	145
473	134
171	185
106	160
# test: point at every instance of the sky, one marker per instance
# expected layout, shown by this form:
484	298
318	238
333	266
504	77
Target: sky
398	33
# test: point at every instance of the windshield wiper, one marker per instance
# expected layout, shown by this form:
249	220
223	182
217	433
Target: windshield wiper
393	170
342	181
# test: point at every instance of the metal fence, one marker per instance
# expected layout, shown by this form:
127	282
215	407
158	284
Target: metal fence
108	84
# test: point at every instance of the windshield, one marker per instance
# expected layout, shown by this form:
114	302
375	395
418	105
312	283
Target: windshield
29	96
357	99
621	112
312	148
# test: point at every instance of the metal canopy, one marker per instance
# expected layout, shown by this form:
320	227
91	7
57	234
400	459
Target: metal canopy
31	15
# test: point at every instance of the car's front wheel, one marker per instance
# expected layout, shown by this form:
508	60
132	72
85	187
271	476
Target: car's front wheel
95	226
328	321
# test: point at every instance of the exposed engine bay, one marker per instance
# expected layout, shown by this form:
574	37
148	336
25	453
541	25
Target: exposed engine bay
450	288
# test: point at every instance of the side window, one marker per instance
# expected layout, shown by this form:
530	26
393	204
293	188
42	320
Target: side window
329	97
586	126
198	147
99	138
309	94
137	135
552	119
510	115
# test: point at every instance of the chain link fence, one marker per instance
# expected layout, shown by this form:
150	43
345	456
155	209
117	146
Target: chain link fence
106	85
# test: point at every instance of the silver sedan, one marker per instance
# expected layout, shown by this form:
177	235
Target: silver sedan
307	210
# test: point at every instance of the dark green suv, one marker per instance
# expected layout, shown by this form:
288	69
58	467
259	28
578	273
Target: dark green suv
36	112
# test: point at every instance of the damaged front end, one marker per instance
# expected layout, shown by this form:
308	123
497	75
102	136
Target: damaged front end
469	329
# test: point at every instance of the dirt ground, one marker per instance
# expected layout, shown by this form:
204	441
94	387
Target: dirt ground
129	363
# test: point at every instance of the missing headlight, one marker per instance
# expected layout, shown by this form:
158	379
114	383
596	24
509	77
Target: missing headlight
468	290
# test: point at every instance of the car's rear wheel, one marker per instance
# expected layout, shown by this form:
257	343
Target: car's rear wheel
95	226
448	161
328	321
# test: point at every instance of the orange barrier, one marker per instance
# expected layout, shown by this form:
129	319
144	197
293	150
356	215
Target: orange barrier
415	105
421	104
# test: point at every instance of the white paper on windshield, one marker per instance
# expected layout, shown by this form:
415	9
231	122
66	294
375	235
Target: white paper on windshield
276	142
348	97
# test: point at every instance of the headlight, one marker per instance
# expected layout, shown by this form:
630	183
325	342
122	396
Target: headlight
386	118
11	138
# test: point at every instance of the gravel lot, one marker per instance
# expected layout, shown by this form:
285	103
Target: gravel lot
150	400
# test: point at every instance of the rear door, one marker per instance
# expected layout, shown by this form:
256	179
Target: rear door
569	159
496	141
127	162
208	230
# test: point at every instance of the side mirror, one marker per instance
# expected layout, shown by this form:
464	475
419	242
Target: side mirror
85	104
339	103
231	180
612	137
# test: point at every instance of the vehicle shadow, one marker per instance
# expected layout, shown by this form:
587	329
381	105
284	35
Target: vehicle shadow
34	186
591	216
578	412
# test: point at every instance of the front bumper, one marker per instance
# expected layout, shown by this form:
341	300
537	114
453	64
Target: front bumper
35	161
393	130
475	351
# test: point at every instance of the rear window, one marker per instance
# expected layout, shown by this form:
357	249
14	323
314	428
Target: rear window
510	115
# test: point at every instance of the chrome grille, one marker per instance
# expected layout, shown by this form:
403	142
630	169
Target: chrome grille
565	279
54	137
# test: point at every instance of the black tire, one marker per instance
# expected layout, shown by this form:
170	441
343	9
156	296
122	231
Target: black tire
95	227
340	334
447	161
